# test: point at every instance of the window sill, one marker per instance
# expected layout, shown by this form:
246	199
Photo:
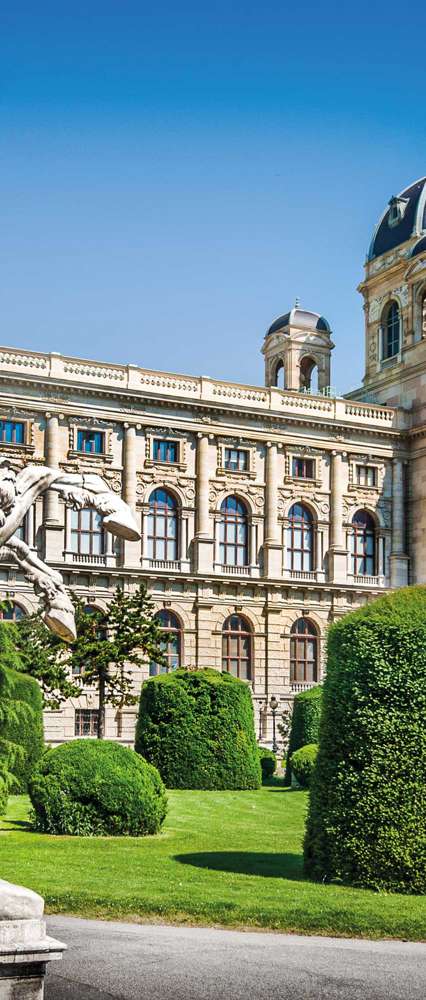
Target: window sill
303	479
12	446
240	473
151	463
91	456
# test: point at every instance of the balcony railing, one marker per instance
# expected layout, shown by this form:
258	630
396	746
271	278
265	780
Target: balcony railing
301	574
89	560
167	565
233	570
368	581
298	686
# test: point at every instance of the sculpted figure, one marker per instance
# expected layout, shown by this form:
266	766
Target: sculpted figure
17	493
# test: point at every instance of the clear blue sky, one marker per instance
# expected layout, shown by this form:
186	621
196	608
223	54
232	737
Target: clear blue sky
174	175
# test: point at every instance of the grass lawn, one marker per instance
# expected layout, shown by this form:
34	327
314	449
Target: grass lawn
229	858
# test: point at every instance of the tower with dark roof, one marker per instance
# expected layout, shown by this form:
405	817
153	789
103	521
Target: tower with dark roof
297	350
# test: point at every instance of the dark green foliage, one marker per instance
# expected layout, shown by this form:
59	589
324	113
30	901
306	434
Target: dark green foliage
21	718
268	762
367	817
96	788
303	763
27	730
197	728
305	722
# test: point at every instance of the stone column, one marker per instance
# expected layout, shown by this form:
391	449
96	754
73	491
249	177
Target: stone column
398	558
337	550
129	465
24	947
132	550
51	510
204	542
272	544
53	529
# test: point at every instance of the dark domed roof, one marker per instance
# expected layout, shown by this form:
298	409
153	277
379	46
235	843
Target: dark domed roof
301	318
419	247
404	217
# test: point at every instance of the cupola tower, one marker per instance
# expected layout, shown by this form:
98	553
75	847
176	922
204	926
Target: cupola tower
297	350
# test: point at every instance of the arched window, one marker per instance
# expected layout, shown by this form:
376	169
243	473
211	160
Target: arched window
300	539
11	612
308	375
303	652
391	328
172	645
237	647
279	376
233	533
87	534
162	526
363	544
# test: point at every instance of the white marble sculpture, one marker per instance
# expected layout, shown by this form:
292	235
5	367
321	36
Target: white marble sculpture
18	491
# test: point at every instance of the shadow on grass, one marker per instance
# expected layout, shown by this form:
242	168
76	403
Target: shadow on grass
7	825
286	866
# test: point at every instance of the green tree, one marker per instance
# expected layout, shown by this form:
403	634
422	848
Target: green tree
108	644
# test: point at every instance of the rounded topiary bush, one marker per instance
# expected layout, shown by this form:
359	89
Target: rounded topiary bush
268	762
305	723
96	788
303	763
367	816
197	728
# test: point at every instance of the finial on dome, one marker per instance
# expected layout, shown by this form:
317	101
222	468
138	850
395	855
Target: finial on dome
297	302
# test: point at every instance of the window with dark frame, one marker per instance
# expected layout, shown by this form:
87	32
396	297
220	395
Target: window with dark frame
303	468
172	645
233	533
366	475
11	612
363	544
162	533
12	432
90	442
300	539
165	451
86	722
391	331
236	459
237	640
303	652
87	534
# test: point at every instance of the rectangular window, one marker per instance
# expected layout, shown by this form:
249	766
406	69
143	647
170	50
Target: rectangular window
90	442
303	468
366	475
86	722
236	459
12	432
165	451
87	535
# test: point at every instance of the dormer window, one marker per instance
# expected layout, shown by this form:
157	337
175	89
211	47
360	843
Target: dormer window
397	209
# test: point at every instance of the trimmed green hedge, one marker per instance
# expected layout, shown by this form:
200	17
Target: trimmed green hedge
197	727
303	763
367	816
268	762
26	731
96	788
305	723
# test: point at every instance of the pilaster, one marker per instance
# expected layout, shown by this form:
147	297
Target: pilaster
203	542
337	557
398	557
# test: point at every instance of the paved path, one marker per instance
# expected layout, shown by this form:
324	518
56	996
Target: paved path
151	962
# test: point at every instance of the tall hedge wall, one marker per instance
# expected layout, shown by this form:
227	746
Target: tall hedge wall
305	723
367	817
27	731
197	728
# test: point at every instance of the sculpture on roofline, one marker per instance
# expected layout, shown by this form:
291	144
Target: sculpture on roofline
18	490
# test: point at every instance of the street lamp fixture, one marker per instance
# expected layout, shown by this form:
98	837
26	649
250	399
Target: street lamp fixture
273	705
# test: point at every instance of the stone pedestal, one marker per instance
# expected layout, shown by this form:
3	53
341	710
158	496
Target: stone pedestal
25	948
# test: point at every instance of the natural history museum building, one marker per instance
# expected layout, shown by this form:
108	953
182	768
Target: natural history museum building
265	512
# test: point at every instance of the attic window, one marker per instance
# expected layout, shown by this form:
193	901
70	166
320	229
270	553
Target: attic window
397	209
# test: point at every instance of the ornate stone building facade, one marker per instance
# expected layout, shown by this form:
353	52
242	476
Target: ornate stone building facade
265	513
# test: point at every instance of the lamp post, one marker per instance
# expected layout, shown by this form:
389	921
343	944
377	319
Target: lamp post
273	705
